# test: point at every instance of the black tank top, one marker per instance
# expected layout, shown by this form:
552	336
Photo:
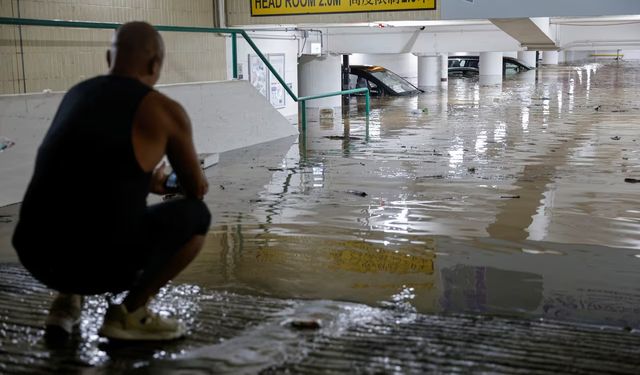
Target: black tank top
86	176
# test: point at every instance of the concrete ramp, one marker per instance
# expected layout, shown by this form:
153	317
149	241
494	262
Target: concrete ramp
527	32
225	115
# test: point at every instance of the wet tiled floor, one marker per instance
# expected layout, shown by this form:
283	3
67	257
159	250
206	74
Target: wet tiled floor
241	334
505	204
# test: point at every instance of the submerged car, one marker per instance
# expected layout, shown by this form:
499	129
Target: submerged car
380	81
469	65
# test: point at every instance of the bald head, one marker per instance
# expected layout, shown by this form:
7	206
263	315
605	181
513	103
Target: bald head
137	51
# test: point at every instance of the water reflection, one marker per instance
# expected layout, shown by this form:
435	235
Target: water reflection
464	198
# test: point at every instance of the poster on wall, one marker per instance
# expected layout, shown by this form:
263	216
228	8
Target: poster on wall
277	95
258	74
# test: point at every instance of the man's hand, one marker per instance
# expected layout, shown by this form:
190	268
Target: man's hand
158	180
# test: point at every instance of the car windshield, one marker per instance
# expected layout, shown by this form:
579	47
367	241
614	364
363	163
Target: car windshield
393	81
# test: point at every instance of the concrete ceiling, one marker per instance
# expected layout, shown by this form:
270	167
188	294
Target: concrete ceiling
527	32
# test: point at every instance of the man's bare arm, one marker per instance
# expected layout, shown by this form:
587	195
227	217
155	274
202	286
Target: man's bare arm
181	152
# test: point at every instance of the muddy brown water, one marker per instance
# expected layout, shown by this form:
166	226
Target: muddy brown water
505	200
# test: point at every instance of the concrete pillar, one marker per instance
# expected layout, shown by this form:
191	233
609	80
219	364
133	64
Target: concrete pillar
513	54
528	57
490	68
550	57
428	71
444	67
320	75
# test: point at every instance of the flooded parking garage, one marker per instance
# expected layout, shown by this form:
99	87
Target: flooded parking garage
470	211
508	200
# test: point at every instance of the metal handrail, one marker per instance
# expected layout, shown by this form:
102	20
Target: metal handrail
189	29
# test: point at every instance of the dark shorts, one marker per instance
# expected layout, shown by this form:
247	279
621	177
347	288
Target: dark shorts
108	263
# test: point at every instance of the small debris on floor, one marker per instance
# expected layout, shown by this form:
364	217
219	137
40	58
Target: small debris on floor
616	138
632	180
221	187
437	177
471	169
510	196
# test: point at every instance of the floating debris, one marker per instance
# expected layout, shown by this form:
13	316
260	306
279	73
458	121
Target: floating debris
305	324
357	192
341	138
6	143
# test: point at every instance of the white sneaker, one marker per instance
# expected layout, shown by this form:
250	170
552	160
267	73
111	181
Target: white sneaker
64	314
139	325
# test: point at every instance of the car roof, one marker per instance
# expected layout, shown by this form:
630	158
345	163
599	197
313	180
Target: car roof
507	58
370	68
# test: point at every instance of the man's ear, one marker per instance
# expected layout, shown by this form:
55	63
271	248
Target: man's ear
154	65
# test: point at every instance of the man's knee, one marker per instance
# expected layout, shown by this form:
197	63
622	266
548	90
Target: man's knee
201	214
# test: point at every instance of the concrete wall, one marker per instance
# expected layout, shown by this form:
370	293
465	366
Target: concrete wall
225	115
57	58
239	14
403	64
271	43
623	35
478	9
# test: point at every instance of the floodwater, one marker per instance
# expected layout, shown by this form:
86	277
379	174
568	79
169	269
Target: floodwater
505	200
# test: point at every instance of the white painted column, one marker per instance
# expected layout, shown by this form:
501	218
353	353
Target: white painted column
444	68
513	54
528	57
490	68
320	75
428	71
550	57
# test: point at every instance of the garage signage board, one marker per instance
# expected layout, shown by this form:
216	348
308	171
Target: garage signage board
297	7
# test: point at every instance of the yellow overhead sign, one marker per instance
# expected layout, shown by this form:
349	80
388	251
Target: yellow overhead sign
293	7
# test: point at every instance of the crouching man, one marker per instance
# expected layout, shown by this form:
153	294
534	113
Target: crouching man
85	227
